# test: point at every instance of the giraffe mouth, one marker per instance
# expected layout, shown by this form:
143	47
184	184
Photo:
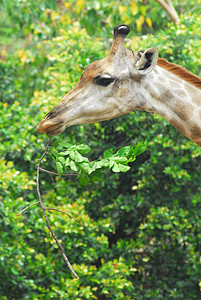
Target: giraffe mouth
51	128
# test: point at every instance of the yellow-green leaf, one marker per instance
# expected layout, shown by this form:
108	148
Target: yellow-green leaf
149	22
139	23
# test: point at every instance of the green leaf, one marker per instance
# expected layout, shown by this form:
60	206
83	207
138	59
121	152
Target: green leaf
84	178
123	168
67	162
94	165
73	166
64	153
14	271
66	145
97	176
166	226
76	156
120	168
54	153
59	168
83	148
124	151
140	148
108	153
85	166
61	160
132	159
115	167
111	164
131	152
119	159
102	163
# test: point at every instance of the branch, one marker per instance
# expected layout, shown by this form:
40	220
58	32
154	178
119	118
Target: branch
44	213
48	208
50	172
169	8
27	208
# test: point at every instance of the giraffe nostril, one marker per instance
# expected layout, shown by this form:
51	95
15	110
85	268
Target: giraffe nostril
52	114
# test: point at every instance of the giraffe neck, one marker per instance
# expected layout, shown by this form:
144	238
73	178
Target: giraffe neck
175	99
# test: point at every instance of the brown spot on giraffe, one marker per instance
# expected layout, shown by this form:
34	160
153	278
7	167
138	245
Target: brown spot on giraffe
196	132
166	95
183	110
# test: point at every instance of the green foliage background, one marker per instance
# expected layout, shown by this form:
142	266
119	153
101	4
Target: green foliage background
142	233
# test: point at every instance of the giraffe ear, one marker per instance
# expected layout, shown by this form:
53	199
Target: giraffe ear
147	61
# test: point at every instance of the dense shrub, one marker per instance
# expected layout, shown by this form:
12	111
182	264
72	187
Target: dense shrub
141	234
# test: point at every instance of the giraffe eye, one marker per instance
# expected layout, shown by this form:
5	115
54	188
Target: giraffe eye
103	80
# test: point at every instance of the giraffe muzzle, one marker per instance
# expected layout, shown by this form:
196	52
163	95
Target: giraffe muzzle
50	127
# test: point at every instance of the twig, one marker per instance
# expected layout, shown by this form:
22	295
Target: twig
169	8
50	172
48	208
27	208
44	213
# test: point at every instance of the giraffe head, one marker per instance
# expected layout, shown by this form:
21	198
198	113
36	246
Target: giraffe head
105	89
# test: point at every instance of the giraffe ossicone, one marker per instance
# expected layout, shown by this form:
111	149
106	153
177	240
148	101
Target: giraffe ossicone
125	81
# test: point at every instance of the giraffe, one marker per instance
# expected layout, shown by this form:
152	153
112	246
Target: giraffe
125	81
